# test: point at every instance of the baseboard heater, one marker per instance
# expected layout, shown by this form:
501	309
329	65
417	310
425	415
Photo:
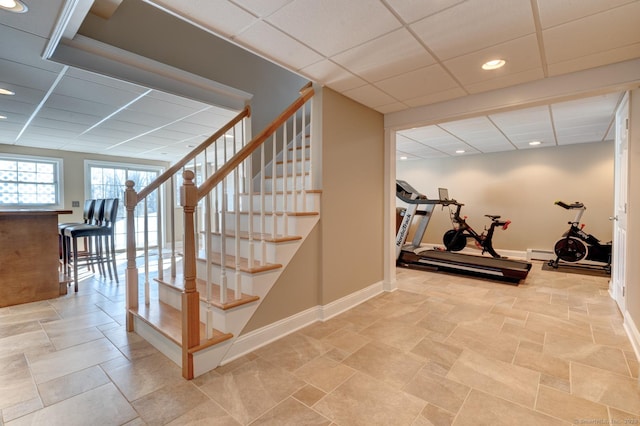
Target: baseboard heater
539	254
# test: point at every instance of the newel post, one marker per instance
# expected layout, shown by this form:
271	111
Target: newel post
190	296
130	201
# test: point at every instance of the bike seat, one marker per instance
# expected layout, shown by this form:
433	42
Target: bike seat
492	216
576	205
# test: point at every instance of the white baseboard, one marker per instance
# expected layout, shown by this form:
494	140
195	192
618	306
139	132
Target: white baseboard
634	334
253	340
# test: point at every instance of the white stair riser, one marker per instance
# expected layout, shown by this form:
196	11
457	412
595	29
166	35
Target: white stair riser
303	202
300	166
279	183
269	252
295	225
249	283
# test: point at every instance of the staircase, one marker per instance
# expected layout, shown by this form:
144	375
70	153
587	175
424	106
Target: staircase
246	207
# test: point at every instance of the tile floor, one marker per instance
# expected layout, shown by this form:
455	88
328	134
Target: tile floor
441	350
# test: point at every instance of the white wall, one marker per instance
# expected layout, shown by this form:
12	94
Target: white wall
521	186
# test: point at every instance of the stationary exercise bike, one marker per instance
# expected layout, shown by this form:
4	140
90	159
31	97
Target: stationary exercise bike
576	245
456	239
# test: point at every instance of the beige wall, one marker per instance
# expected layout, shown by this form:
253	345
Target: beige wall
352	196
521	186
633	216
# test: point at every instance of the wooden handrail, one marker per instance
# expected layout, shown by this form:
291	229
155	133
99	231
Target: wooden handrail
146	191
207	186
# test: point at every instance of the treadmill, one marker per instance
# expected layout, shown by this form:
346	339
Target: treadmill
413	256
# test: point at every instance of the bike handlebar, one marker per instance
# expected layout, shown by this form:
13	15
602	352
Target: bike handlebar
576	205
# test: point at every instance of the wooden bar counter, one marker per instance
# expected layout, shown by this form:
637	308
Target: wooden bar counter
29	256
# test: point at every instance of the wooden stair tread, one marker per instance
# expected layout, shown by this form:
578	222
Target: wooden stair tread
230	262
168	321
201	286
257	236
279	213
289	191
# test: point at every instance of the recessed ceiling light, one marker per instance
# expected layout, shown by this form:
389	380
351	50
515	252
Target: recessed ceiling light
3	117
6	92
460	151
494	64
16	6
403	158
534	143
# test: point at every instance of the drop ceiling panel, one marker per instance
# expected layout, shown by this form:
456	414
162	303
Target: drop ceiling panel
71	104
63	116
369	95
235	18
168	110
262	8
412	11
439	96
553	12
567	41
388	56
38	19
93	92
421	82
313	23
142	118
16	76
126	126
524	126
263	37
520	54
478	132
334	76
18	46
474	25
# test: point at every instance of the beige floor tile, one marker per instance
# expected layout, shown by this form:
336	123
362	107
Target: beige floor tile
520	332
103	406
140	377
73	384
600	356
543	308
398	334
33	342
435	322
21	409
441	354
28	312
77	322
346	340
207	413
66	338
291	412
537	360
252	389
620	417
505	380
487	341
60	363
564	327
606	388
324	373
309	395
568	407
16	384
385	363
365	401
168	403
434	416
438	390
293	351
8	330
483	409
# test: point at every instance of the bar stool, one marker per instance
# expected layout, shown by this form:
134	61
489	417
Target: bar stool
102	233
87	217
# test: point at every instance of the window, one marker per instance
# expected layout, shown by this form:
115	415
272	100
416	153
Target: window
30	181
107	180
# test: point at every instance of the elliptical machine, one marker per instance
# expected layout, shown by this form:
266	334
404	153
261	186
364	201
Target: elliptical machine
576	245
456	239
